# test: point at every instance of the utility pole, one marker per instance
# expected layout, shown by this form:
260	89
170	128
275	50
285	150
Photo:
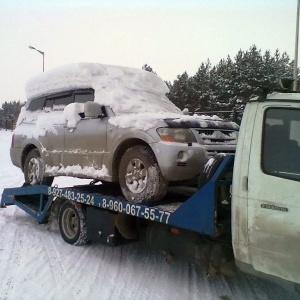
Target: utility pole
296	50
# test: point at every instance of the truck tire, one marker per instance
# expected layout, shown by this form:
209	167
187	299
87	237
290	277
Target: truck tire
72	224
140	177
210	169
34	169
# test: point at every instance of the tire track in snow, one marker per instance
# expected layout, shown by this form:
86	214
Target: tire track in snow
143	268
13	244
53	259
7	288
90	260
74	267
6	242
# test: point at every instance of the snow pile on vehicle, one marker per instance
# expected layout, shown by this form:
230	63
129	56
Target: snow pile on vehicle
125	90
71	113
141	121
77	170
145	121
137	97
43	123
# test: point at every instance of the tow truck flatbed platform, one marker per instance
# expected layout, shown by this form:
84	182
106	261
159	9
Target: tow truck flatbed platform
195	212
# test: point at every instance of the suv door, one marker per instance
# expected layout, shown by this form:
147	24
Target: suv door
85	146
52	141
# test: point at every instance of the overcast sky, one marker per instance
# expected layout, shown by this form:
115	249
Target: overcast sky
172	36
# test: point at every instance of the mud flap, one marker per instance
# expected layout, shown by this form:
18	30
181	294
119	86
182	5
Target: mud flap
101	227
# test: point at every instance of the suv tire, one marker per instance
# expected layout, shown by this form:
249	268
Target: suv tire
34	169
140	177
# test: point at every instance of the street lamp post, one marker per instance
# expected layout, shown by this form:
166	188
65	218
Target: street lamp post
296	50
43	53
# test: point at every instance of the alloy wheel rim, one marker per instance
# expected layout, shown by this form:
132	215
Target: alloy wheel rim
33	171
136	176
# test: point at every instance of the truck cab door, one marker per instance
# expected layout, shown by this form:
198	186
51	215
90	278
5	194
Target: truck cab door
274	192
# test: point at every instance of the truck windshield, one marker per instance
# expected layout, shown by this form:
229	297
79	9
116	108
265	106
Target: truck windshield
281	143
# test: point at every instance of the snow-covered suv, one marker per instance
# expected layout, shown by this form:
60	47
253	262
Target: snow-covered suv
114	124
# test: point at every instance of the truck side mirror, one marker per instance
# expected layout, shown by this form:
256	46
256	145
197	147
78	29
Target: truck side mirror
92	110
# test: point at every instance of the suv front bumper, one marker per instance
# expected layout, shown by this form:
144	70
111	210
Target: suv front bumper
178	161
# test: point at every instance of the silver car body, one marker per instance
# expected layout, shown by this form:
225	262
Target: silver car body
74	142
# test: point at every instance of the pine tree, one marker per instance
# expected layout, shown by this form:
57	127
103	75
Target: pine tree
231	82
182	92
200	84
9	113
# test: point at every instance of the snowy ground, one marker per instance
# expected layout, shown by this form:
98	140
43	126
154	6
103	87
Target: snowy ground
35	263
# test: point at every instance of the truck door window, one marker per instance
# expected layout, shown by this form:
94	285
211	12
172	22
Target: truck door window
281	143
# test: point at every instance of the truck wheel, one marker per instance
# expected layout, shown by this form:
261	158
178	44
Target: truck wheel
210	169
140	177
34	169
72	224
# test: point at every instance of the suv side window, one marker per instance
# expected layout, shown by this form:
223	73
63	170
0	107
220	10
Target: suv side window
58	101
84	96
62	102
36	104
281	143
49	104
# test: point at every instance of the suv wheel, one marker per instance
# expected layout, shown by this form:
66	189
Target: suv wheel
34	169
140	177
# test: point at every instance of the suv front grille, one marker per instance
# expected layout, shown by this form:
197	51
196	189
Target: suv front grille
213	136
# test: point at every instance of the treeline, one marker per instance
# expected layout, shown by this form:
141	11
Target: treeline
9	113
225	86
231	82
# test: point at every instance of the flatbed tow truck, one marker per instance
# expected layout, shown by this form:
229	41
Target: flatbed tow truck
245	211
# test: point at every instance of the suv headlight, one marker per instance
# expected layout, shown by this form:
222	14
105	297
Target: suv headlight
178	135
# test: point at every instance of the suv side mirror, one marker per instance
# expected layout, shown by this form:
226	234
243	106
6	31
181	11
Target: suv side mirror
92	110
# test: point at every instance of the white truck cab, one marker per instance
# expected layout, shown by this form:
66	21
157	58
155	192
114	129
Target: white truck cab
266	187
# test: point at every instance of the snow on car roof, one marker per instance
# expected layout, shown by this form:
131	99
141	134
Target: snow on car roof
124	89
137	97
